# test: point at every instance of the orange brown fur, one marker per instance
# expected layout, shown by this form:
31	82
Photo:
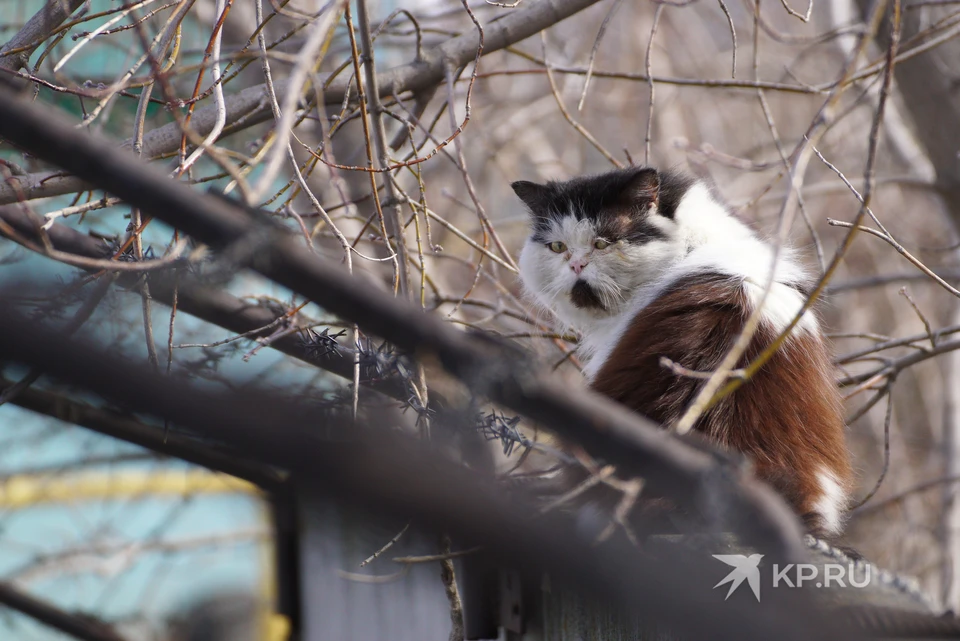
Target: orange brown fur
787	417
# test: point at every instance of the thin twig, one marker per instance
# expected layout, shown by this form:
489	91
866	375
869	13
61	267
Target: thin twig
380	143
449	578
733	36
711	392
886	445
566	114
389	544
596	47
309	58
923	319
431	558
648	61
805	17
900	250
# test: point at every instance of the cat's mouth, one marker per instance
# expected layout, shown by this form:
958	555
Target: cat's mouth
583	296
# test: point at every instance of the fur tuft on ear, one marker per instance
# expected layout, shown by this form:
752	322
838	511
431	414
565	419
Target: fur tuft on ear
643	189
532	194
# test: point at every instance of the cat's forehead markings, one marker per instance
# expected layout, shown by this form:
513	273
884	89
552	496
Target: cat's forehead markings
576	232
618	224
571	230
554	227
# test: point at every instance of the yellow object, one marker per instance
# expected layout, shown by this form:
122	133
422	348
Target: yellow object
278	627
27	490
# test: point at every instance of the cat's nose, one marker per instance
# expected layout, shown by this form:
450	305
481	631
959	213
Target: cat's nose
578	265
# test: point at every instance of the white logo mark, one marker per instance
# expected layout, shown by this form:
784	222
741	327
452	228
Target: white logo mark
744	567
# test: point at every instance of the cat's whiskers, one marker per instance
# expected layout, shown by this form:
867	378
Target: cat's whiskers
608	290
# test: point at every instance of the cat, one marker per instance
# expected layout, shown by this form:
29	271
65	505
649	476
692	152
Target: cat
648	264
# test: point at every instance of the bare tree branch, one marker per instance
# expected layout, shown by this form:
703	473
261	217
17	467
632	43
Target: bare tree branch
930	81
400	476
602	427
37	29
78	626
126	428
252	106
211	304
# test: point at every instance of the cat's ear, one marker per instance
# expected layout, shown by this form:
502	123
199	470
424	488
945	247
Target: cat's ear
532	194
643	189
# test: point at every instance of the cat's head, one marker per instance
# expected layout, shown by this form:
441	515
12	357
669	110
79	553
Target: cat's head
594	240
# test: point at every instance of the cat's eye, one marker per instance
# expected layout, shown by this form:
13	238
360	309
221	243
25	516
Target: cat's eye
600	243
557	247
